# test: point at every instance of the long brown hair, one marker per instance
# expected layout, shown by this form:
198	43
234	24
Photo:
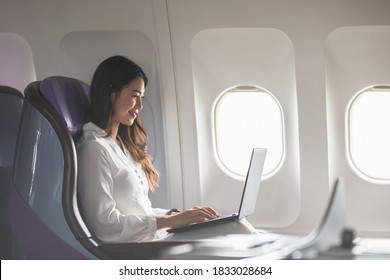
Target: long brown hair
111	76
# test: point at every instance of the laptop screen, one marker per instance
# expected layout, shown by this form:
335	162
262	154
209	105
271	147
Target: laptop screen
252	182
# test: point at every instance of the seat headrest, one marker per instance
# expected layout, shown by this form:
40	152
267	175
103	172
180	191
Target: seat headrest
70	98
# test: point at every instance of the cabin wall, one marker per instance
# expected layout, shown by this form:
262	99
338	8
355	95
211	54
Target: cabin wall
169	40
357	58
222	58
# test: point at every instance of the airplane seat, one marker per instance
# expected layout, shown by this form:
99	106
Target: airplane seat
70	100
39	227
56	109
11	102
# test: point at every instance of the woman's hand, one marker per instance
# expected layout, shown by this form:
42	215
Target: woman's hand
193	215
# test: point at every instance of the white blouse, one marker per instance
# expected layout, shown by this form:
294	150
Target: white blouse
113	190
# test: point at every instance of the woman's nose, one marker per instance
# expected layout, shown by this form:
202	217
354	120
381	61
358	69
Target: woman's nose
139	103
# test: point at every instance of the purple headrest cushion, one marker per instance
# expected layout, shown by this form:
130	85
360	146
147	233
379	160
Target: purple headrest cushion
71	100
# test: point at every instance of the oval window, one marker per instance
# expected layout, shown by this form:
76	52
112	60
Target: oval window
246	117
368	129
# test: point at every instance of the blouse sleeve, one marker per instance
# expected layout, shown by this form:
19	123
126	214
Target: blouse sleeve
160	211
99	207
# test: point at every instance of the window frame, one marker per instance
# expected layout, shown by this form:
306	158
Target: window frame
246	88
351	158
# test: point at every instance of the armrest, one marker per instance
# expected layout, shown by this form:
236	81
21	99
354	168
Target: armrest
139	250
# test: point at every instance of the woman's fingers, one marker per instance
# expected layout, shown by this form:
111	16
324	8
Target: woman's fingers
208	211
193	215
212	211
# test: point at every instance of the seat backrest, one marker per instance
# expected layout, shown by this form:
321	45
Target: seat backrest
70	100
11	102
45	171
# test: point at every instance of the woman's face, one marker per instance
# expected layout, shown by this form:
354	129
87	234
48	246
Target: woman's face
128	102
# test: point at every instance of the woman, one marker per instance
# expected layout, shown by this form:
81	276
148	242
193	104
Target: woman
115	170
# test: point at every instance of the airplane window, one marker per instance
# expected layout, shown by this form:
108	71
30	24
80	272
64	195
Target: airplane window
247	117
368	127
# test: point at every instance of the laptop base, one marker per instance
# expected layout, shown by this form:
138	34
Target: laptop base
208	223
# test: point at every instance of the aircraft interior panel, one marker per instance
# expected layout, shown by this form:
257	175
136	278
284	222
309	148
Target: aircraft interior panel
17	62
357	58
266	60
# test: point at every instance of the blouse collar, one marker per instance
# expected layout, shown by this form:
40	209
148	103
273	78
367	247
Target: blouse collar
91	127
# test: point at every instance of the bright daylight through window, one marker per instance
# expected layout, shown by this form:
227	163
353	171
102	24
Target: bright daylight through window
248	117
368	140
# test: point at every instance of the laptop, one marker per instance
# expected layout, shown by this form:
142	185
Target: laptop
248	198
